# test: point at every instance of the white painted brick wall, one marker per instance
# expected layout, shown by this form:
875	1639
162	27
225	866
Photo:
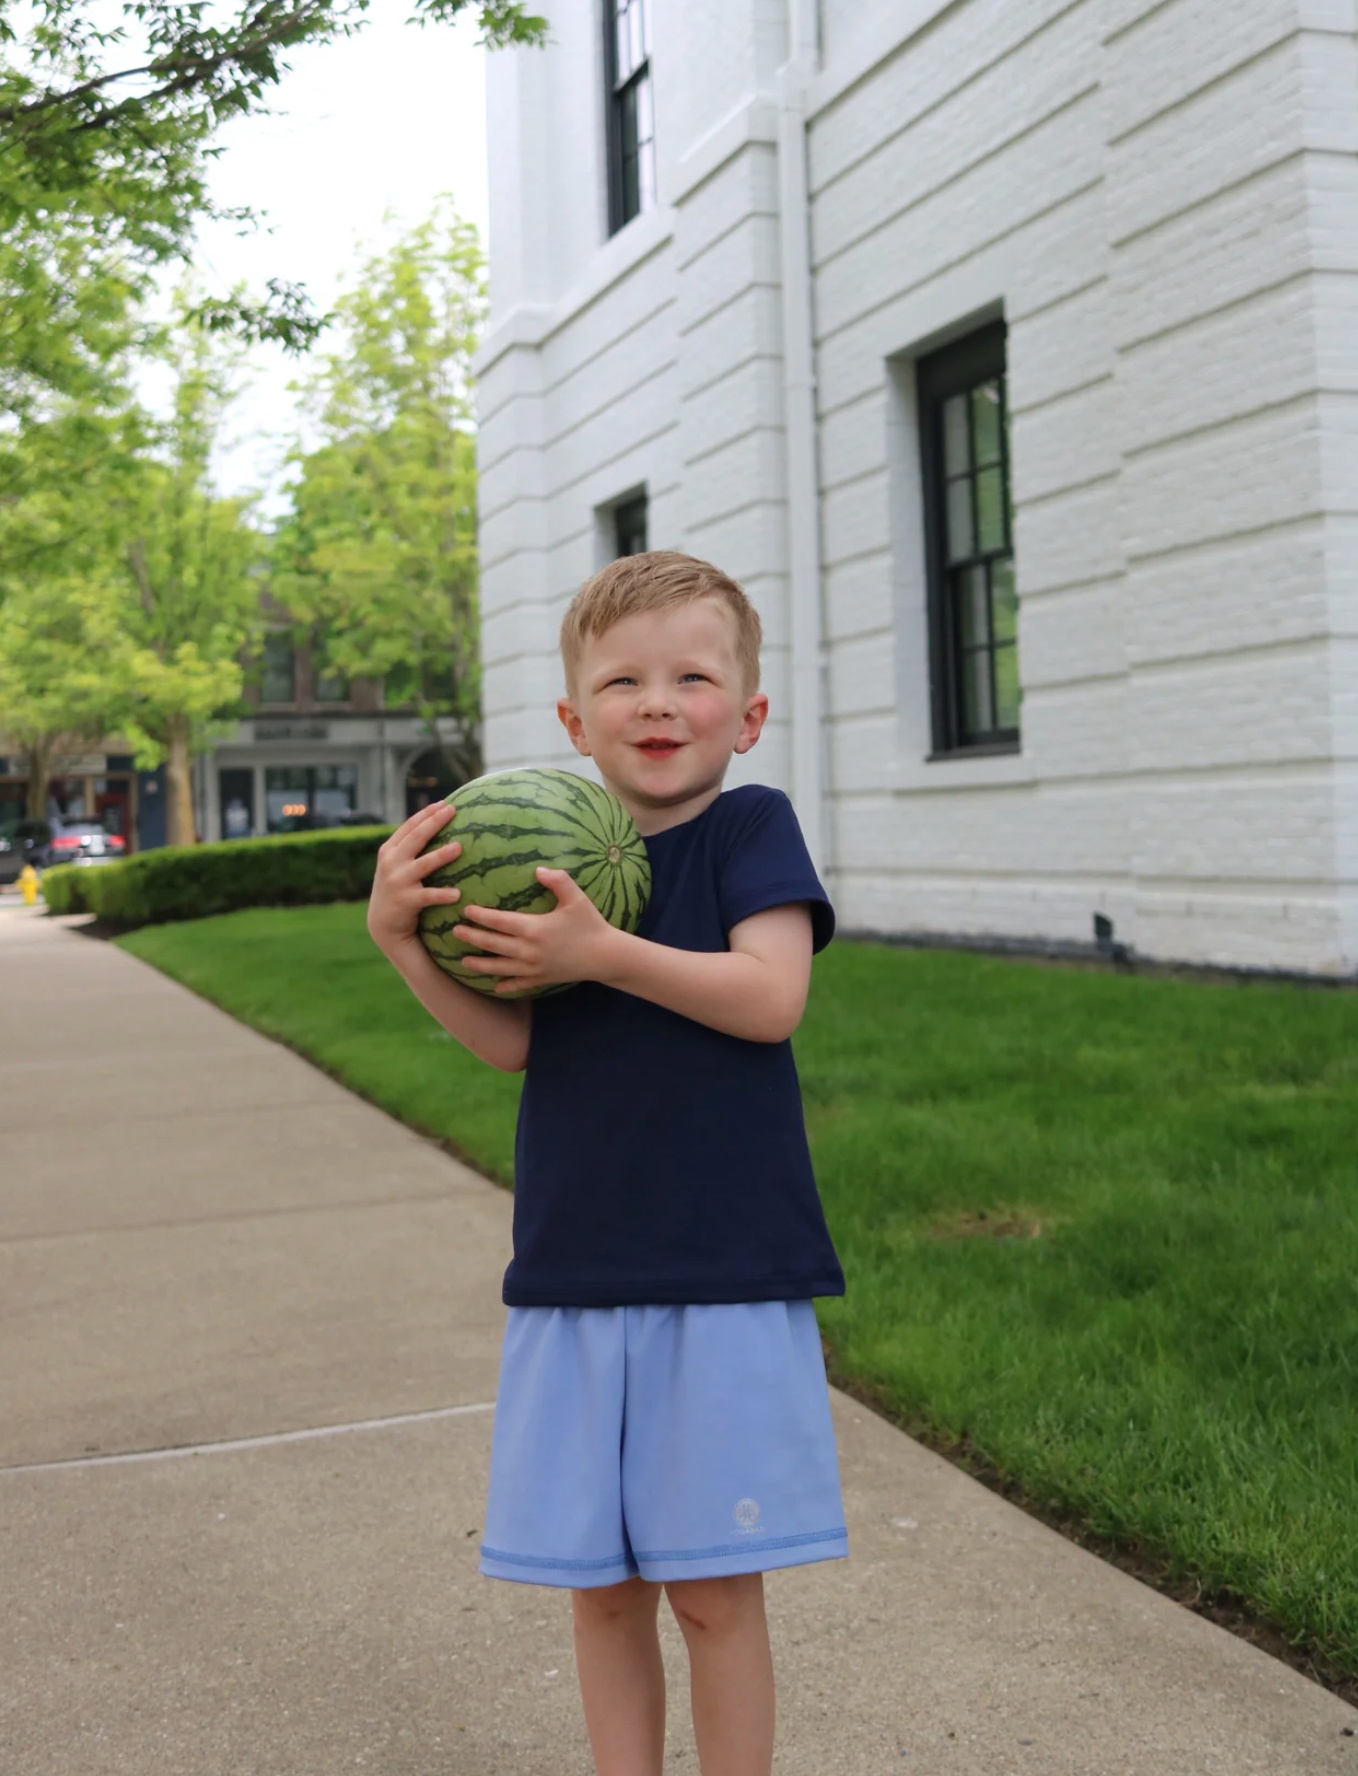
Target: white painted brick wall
1172	53
1070	441
958	49
962	216
988	116
858	596
1271	826
1185	606
1166	213
1073	635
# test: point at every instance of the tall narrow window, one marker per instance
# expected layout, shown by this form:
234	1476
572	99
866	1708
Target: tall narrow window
330	687
631	119
278	677
973	600
629	526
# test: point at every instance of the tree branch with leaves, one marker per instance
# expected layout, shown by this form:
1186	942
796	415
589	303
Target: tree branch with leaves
377	556
129	591
182	615
62	485
108	124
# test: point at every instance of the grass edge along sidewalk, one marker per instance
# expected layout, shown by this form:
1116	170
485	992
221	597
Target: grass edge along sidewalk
1101	1232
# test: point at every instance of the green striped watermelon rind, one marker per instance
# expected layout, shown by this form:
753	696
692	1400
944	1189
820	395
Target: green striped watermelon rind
512	823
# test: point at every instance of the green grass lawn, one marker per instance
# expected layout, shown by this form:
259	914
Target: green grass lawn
1100	1230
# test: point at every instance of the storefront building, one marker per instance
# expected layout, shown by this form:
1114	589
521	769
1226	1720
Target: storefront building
102	785
314	752
319	752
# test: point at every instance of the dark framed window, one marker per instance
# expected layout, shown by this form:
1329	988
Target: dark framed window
629	526
278	675
973	596
236	802
631	110
327	685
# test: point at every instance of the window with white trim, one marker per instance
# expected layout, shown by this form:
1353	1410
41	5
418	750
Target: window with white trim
630	526
631	110
973	595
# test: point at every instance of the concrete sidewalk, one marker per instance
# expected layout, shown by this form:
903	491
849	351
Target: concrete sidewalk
248	1342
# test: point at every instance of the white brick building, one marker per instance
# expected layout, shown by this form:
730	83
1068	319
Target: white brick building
1139	218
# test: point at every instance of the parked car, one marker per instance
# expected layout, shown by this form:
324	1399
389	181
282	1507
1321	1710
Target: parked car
84	841
21	842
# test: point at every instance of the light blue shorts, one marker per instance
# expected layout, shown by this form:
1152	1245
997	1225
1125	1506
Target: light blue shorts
674	1442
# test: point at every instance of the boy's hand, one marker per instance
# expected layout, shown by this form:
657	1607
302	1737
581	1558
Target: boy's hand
571	943
399	892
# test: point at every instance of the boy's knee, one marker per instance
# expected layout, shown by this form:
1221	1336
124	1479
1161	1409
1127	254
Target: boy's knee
614	1603
715	1607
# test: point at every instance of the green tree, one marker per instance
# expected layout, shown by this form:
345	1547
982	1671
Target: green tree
52	698
129	592
67	316
378	554
180	617
107	127
62	484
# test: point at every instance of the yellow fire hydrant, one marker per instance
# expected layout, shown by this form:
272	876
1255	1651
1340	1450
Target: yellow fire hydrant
28	884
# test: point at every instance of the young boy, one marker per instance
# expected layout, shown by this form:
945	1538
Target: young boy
663	1419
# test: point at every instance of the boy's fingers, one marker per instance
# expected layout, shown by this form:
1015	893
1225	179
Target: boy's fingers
420	824
412	835
437	859
561	882
439	896
496	920
493	942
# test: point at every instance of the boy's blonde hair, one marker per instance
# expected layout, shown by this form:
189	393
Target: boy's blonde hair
658	581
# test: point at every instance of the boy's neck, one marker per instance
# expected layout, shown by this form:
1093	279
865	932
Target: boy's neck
651	819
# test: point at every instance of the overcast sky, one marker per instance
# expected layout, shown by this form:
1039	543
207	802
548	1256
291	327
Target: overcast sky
380	124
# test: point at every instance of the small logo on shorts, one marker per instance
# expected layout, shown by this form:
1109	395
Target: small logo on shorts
746	1515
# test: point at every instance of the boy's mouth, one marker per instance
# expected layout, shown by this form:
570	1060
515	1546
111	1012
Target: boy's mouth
658	749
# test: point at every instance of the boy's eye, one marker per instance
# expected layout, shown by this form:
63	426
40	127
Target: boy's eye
700	676
622	680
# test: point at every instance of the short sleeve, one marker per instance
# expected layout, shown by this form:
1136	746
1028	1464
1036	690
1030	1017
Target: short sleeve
765	864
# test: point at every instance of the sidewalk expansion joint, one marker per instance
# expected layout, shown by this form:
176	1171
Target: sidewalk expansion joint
268	1441
441	1193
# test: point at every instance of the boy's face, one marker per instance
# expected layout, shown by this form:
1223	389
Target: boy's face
660	705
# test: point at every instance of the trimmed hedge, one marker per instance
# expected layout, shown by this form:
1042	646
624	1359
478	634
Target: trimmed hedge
63	889
194	881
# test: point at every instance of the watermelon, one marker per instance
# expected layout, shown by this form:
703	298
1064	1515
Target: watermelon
510	825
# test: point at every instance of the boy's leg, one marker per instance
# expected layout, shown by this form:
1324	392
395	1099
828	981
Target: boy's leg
730	1671
622	1679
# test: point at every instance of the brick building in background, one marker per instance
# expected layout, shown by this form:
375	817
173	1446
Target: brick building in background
314	751
1007	351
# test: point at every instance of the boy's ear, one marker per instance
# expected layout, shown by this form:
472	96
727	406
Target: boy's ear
569	717
756	714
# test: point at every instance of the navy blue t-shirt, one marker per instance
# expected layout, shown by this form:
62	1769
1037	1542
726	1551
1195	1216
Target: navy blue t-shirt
658	1160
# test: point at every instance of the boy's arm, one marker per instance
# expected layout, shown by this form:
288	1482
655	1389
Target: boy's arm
496	1030
756	989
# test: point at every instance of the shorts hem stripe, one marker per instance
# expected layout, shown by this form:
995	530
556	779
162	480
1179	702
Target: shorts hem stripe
751	1545
550	1564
